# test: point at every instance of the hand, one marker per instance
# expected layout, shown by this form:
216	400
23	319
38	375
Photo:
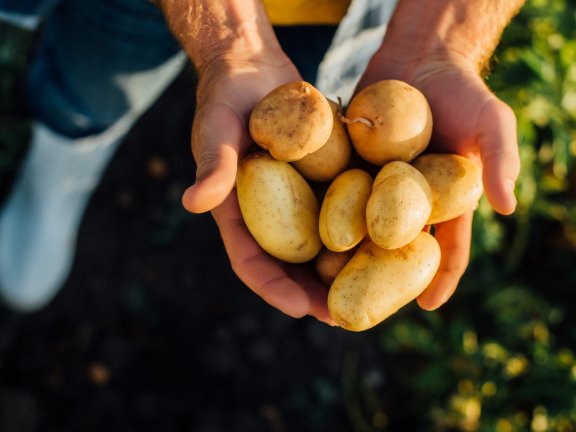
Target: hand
468	120
225	97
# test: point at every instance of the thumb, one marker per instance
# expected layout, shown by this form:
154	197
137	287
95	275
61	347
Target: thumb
498	143
216	138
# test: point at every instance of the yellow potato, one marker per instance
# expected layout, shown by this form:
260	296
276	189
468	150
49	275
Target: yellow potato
456	184
329	263
377	282
399	206
278	207
332	158
291	121
343	211
389	120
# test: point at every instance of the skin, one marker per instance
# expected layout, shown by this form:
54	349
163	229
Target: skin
443	54
439	47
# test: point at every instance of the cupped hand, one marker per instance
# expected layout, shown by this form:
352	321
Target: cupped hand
225	97
471	121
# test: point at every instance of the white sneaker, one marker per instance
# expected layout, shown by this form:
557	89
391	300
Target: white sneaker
41	217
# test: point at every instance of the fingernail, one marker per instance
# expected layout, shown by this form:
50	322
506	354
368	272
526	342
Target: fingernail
327	320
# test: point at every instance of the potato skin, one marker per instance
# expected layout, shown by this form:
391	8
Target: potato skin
377	282
401	118
329	263
278	207
399	206
332	158
291	121
456	184
343	212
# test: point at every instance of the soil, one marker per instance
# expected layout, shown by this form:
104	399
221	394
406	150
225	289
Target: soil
154	332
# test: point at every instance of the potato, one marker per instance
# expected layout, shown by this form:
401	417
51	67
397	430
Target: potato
332	158
278	207
291	121
343	212
389	120
456	184
399	206
329	263
377	282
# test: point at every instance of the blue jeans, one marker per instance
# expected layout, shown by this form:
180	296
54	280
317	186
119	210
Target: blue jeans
92	60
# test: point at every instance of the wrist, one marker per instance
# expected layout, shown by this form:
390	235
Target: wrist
221	32
425	36
415	67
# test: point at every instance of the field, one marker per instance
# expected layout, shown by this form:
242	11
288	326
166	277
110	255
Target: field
153	332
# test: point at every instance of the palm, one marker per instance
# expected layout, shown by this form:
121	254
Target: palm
219	137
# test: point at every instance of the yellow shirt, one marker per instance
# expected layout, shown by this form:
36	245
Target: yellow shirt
293	12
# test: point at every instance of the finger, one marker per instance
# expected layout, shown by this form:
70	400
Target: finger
498	143
216	140
286	287
454	237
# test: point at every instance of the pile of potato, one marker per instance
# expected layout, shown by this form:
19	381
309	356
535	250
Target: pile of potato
353	192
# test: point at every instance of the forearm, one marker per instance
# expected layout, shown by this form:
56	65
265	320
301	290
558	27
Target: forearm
221	30
463	31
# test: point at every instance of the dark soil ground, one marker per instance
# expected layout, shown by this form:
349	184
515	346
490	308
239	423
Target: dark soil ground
153	331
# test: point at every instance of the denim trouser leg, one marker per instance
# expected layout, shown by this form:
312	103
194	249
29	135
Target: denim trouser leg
26	14
96	61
